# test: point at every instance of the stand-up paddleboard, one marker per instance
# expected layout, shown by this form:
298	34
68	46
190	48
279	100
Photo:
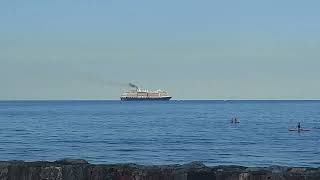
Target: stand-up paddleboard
299	130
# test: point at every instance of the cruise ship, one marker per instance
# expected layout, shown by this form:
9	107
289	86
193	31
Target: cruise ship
138	94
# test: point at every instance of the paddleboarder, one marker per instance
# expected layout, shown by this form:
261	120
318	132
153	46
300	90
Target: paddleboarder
299	126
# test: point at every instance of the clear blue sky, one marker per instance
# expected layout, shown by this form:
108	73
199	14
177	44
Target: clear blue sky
194	49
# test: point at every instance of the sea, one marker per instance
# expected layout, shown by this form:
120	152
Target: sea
167	132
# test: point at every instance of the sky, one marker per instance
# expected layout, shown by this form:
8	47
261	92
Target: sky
207	49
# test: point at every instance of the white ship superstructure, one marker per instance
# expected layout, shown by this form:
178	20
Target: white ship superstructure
139	94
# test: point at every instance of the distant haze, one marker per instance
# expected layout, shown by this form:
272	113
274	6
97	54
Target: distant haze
193	49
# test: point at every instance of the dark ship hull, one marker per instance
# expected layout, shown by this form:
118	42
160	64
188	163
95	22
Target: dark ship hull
145	98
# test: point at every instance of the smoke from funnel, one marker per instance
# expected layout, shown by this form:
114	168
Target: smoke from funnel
133	86
97	80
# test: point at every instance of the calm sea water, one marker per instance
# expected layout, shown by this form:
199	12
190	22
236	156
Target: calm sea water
162	132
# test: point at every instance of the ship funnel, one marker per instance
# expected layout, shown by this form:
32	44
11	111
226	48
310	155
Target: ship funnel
133	86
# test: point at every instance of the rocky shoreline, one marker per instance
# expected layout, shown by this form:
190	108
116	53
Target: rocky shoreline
73	169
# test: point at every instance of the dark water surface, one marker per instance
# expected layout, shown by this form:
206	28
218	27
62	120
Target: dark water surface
162	132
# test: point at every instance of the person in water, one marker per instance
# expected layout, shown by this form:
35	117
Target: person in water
299	126
234	120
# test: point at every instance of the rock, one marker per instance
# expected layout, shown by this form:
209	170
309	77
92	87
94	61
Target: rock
74	172
23	171
4	170
70	169
277	169
297	170
68	161
194	165
51	173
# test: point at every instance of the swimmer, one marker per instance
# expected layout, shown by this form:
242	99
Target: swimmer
234	120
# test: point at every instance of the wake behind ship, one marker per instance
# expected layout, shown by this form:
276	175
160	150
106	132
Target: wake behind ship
138	94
